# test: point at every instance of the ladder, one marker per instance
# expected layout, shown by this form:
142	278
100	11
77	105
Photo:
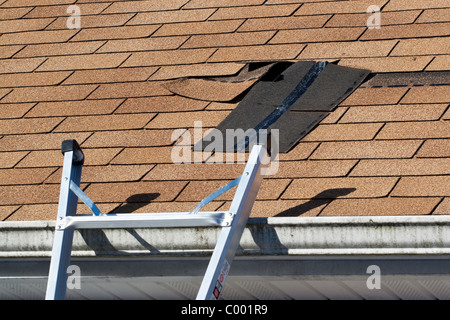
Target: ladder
232	222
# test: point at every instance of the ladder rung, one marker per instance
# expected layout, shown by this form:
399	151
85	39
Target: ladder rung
146	220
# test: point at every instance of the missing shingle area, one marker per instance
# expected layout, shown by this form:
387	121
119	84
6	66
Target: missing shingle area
407	79
291	98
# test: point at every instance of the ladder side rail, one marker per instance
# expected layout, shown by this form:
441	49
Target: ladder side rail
62	243
230	237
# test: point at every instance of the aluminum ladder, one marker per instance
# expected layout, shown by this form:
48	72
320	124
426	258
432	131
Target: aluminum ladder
232	222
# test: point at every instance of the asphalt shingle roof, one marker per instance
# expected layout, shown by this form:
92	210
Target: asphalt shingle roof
383	151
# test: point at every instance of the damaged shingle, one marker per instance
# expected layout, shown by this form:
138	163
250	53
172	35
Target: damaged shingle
292	98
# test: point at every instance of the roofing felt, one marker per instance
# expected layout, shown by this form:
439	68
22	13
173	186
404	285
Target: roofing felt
110	85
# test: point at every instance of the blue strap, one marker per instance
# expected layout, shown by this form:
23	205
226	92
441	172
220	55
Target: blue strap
216	194
83	197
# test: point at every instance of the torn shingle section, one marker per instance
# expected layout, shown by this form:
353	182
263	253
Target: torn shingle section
292	100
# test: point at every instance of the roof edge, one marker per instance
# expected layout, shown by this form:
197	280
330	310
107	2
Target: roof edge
285	236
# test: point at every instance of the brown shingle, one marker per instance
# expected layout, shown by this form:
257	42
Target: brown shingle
15	110
408	47
37	37
444	207
6	211
20	65
228	39
340	132
170	16
61	10
300	152
22	126
415	130
49	211
402	167
438	94
334	116
360	19
110	75
148	5
348	49
407	31
191	28
270	189
165	207
367	149
195	172
13	13
434	15
388	64
187	119
54	158
317	35
107	20
130	138
56	49
287	208
307	169
144	155
135	192
32	79
374	96
32	3
254	12
144	44
435	148
59	93
330	188
72	108
39	141
45	193
380	207
22	25
9	51
105	122
117	173
129	90
24	176
280	23
439	63
160	104
428	186
170	57
10	159
220	3
197	70
415	4
124	32
390	113
258	53
338	7
203	89
4	92
92	61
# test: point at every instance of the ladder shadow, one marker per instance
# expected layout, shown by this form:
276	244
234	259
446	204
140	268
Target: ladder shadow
265	236
325	197
135	202
100	242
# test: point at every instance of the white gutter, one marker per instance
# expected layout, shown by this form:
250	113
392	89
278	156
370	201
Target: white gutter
386	235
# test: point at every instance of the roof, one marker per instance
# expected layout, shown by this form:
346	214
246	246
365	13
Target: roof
383	151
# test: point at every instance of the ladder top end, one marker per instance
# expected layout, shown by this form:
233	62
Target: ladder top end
72	145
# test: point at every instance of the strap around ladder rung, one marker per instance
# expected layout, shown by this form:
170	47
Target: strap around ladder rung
216	194
86	200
